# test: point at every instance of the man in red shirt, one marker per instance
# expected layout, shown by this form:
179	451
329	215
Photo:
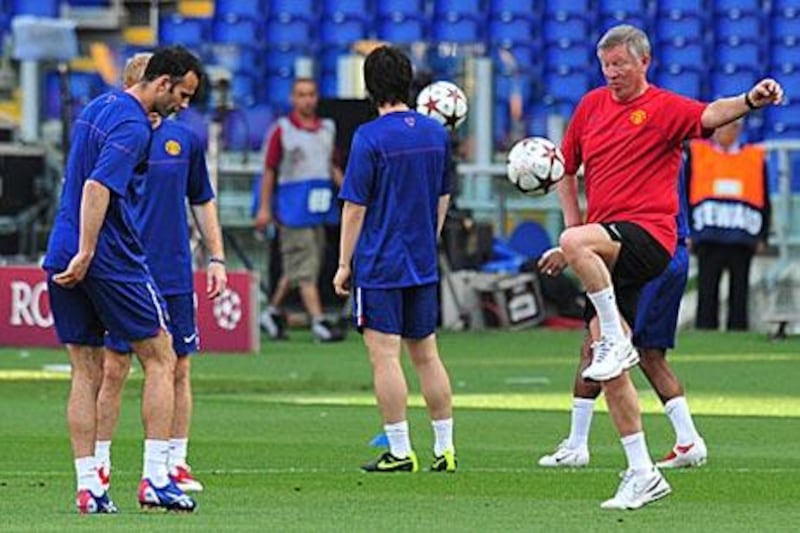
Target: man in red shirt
628	135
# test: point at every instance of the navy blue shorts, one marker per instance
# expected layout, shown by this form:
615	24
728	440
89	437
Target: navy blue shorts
130	310
410	312
182	326
659	303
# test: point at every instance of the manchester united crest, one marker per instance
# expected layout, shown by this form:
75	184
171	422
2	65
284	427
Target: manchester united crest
172	147
638	117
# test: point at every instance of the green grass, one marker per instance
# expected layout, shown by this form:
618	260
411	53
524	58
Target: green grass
277	439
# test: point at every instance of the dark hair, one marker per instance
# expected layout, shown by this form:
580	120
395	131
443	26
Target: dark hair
174	61
387	74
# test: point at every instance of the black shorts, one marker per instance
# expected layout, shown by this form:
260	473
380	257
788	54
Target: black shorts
641	258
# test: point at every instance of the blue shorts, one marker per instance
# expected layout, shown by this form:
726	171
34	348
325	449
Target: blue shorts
659	303
410	312
182	326
130	310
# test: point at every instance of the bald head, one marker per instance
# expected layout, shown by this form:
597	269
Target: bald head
134	69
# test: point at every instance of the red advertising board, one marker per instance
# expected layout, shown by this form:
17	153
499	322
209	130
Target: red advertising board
227	324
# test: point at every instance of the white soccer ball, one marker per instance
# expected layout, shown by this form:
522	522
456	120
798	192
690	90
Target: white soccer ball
445	102
535	165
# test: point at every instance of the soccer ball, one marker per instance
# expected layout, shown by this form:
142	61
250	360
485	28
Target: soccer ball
535	165
445	102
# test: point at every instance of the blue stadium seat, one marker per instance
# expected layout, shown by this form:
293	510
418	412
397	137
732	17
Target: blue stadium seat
614	12
277	90
744	27
254	9
343	32
669	29
515	57
292	9
607	22
196	121
506	86
785	27
677	9
235	29
785	56
565	86
281	59
471	8
457	29
39	8
731	81
347	9
291	32
245	129
329	57
682	80
244	89
237	57
406	8
786	8
401	28
569	55
513	31
329	85
175	29
566	9
783	120
508	10
737	8
571	29
89	3
681	52
530	239
734	53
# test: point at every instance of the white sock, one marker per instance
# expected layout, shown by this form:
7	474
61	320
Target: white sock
605	303
102	453
582	410
399	441
443	433
636	451
156	453
86	473
178	449
677	409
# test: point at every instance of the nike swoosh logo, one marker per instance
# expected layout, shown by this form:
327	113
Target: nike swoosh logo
190	338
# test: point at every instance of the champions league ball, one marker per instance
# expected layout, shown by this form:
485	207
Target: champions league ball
444	102
535	165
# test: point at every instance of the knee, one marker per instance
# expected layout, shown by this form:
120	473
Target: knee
182	371
571	242
115	370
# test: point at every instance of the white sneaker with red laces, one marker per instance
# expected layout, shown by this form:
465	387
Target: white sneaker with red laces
104	473
182	476
694	454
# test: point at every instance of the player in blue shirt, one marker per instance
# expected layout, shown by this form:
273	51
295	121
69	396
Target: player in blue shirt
654	333
396	191
98	280
176	173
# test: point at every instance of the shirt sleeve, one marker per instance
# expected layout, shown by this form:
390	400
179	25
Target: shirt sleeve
124	149
199	189
361	172
272	158
685	119
571	144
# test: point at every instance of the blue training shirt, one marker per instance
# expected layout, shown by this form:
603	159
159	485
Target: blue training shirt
176	172
399	166
110	140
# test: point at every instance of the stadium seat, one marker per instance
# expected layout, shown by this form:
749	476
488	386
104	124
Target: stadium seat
89	3
286	10
237	57
606	22
329	85
291	32
572	29
569	55
510	58
737	8
785	55
244	89
406	8
253	9
732	80
681	52
277	90
678	9
341	32
329	56
562	10
506	86
738	54
530	239
517	30
196	121
245	129
514	9
687	81
39	8
401	28
470	8
613	12
782	121
785	27
669	29
347	9
565	86
190	32
281	59
785	8
457	29
743	27
236	29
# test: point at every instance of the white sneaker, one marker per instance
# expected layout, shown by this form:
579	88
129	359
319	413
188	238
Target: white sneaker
695	454
610	358
566	457
637	489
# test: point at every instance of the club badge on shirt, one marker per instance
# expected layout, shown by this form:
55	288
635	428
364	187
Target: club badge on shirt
172	147
638	117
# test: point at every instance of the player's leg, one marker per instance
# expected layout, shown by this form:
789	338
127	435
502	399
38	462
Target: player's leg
272	319
306	263
79	328
378	314
739	260
116	366
709	271
574	450
420	307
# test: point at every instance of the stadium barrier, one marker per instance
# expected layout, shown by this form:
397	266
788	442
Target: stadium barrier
227	324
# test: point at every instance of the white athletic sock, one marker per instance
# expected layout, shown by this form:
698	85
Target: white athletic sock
582	410
443	433
636	451
102	452
86	473
605	303
399	441
677	409
178	449
156	453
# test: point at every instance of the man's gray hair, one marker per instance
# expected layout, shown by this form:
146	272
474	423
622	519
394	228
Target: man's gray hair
632	37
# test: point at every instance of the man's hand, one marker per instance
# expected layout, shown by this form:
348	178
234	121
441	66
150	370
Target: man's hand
76	270
341	281
765	92
216	279
263	219
552	262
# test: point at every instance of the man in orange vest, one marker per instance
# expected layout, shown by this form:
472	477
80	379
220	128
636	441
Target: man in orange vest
729	214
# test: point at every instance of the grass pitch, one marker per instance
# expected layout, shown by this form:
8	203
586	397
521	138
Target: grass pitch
278	438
